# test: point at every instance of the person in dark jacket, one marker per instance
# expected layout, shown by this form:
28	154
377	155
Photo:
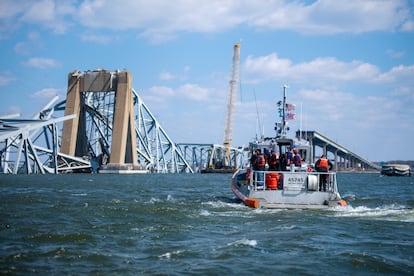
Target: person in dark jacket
323	165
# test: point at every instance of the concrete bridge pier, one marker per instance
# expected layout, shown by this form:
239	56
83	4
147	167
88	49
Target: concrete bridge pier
123	155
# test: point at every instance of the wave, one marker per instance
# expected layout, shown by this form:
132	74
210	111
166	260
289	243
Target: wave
390	212
79	194
222	204
243	241
168	255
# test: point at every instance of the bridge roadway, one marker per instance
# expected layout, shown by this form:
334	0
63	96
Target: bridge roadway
348	160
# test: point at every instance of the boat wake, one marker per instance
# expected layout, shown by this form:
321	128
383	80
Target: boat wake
390	212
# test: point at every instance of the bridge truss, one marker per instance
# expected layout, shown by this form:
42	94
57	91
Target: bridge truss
30	146
203	157
33	145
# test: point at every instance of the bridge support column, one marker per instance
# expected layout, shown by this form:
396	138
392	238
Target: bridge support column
123	147
70	127
74	136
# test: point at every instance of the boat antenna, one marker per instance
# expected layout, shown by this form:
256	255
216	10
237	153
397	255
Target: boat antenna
285	87
300	123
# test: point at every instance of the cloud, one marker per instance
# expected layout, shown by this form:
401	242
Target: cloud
398	74
408	26
324	71
162	91
190	91
160	18
332	17
96	38
33	41
168	76
6	78
50	14
335	113
49	93
395	54
194	92
327	69
41	63
159	21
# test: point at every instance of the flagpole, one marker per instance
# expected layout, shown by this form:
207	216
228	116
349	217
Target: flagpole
283	110
300	123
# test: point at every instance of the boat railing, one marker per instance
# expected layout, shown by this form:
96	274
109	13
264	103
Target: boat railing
292	181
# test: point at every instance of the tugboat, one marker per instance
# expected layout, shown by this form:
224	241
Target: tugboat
284	185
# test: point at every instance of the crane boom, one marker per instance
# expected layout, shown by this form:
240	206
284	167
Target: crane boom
231	102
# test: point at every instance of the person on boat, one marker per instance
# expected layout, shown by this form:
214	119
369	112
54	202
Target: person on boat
266	153
323	165
273	161
297	159
283	162
289	156
259	165
253	159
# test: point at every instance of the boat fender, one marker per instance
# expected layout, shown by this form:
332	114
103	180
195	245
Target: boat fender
309	169
342	202
252	202
312	182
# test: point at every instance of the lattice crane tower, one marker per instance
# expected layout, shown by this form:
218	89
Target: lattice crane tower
231	102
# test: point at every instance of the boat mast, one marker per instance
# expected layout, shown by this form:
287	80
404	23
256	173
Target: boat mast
284	126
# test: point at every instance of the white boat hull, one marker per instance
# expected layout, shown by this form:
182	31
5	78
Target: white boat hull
295	190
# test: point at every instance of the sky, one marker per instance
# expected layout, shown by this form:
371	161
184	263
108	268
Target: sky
349	65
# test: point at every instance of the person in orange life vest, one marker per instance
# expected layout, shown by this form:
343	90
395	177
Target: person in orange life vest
323	165
253	159
297	160
259	165
273	161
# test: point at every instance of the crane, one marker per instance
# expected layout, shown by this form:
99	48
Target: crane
231	103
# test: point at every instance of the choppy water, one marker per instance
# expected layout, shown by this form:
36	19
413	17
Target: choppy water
191	224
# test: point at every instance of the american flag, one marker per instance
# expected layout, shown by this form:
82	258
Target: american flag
290	115
289	107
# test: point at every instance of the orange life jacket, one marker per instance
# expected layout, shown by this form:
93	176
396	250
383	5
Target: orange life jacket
273	159
323	163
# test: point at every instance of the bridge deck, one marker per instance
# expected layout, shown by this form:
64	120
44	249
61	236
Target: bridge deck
318	139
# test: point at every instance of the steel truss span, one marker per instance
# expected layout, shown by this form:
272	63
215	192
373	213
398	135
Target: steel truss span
34	145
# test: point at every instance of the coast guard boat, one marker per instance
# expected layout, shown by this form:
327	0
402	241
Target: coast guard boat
286	186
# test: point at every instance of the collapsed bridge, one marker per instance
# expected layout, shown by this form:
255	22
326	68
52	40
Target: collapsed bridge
344	159
107	128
